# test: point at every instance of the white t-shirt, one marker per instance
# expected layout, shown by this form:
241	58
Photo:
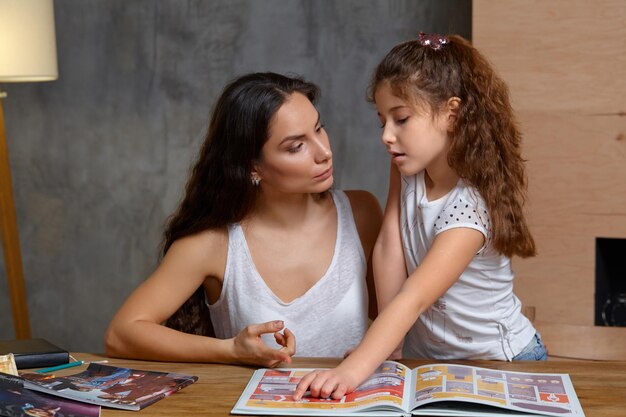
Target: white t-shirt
479	317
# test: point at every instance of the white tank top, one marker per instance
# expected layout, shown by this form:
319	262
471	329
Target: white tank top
327	320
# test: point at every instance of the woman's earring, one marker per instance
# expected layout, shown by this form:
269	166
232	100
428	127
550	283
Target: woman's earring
256	181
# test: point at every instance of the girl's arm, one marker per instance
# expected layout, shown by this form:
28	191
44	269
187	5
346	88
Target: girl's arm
388	257
136	330
450	254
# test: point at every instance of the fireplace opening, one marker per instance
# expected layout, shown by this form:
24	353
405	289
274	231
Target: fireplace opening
610	282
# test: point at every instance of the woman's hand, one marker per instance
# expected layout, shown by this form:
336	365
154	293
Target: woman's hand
249	347
333	383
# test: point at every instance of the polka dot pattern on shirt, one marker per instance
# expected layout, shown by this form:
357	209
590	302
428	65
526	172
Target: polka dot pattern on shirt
462	213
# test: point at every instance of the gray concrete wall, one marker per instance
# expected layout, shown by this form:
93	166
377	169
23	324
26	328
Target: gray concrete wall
99	157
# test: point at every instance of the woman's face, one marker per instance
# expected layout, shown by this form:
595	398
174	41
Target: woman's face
296	157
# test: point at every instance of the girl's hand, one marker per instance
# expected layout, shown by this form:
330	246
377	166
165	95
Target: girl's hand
333	383
249	348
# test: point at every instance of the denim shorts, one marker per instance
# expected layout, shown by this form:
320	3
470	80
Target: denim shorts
534	351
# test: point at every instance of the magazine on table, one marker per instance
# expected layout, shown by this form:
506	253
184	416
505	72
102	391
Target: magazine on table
109	386
436	390
16	401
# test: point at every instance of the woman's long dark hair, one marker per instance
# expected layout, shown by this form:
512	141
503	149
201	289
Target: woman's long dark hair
220	191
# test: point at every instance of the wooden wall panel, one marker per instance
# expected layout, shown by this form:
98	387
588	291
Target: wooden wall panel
557	54
565	64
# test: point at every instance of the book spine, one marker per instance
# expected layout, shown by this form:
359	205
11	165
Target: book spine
41	360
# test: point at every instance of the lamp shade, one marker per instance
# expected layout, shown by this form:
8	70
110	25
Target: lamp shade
27	41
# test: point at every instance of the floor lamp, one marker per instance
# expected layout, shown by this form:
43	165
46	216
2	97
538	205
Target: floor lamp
27	54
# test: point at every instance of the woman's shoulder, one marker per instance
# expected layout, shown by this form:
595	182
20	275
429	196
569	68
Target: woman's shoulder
203	247
367	215
204	238
364	204
361	196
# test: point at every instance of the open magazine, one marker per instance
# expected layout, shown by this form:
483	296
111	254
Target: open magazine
16	401
436	390
108	386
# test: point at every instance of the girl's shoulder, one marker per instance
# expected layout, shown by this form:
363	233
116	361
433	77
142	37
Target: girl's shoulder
465	208
467	194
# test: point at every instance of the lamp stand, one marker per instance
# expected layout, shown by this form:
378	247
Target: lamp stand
10	240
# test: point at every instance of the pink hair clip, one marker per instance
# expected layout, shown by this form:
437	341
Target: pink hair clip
433	40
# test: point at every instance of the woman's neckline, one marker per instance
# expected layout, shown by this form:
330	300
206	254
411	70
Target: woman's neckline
324	276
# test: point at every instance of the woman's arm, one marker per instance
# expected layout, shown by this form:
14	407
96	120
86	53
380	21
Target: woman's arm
388	259
136	331
450	254
368	217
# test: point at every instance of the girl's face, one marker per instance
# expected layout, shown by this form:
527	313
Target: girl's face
296	158
413	137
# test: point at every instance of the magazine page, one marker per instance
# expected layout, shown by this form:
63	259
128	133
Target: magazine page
16	401
529	393
108	386
270	392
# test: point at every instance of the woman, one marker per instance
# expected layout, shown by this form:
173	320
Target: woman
259	238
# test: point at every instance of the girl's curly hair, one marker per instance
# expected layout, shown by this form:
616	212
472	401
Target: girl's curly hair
485	143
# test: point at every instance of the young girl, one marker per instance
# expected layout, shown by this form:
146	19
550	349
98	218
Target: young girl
453	217
258	238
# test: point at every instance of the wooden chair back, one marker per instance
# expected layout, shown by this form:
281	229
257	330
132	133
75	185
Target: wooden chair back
570	341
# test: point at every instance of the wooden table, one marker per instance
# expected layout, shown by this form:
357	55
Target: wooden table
601	386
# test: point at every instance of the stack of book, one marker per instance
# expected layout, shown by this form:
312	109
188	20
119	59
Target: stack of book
34	353
83	393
